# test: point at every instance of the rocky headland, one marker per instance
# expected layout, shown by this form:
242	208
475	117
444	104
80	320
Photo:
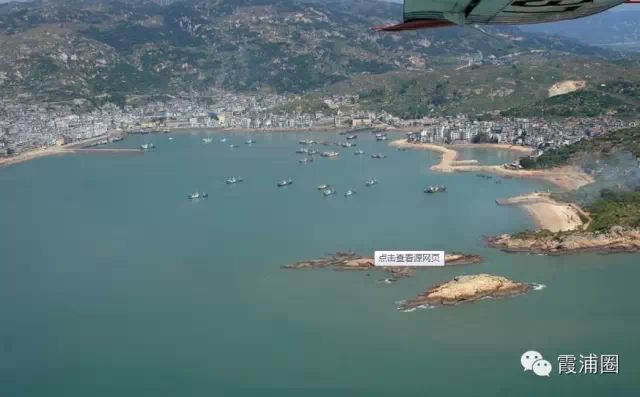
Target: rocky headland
617	239
467	289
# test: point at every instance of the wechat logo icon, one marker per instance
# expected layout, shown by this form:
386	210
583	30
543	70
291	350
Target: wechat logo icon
533	361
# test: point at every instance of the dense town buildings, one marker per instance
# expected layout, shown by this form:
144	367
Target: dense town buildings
25	127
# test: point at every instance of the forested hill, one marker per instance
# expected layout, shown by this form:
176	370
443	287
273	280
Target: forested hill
64	49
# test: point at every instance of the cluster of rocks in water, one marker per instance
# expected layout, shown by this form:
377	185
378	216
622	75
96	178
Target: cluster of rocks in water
352	261
617	239
461	289
468	289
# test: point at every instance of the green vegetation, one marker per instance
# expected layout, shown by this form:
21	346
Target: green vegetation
615	209
625	140
584	104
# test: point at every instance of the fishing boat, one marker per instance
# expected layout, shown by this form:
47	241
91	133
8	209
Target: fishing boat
351	137
147	146
436	189
233	180
207	140
349	193
371	182
302	150
285	182
307	142
223	140
324	186
249	141
328	192
378	156
347	144
234	146
381	137
358	152
197	195
171	138
329	154
305	160
312	152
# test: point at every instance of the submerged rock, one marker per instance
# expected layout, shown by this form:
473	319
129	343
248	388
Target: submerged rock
467	289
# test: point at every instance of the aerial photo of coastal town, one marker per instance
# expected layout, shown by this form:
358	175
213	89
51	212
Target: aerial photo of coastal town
319	198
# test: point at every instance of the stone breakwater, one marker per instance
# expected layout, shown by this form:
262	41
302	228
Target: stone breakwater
352	261
617	239
467	289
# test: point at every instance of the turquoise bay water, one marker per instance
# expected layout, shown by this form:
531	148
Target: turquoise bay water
113	283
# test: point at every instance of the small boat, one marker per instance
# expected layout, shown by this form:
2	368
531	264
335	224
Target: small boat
223	140
207	140
285	182
347	144
329	154
378	156
234	146
325	143
381	137
349	193
147	146
233	180
302	150
197	195
312	152
358	152
171	138
371	182
249	141
436	189
305	160
351	137
328	192
307	142
324	186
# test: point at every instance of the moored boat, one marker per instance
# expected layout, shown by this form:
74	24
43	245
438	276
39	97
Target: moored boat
378	156
249	141
233	180
197	195
436	189
147	146
324	186
371	182
305	160
349	193
285	182
329	154
328	192
350	137
358	152
302	150
207	140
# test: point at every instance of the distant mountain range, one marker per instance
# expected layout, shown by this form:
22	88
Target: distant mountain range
617	28
64	49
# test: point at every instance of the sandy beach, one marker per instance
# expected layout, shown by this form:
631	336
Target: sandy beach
566	178
548	213
32	154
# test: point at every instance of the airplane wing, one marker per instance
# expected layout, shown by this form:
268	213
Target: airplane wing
419	14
